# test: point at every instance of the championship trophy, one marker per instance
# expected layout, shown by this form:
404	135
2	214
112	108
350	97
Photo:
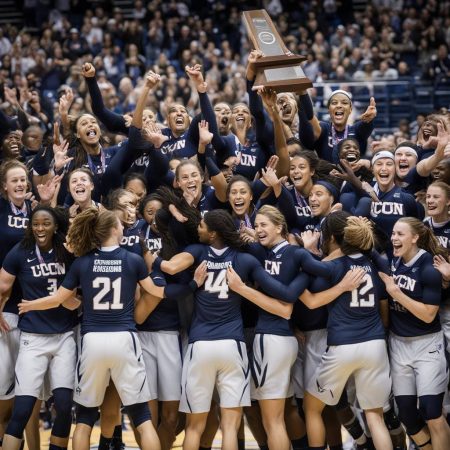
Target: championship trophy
279	69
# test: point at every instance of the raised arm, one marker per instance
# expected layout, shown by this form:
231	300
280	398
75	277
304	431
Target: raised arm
151	80
180	261
426	166
115	123
309	125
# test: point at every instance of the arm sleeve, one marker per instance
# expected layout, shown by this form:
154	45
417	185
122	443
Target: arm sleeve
11	263
312	265
192	134
264	126
432	282
305	114
72	279
115	123
363	130
273	287
218	142
287	207
258	189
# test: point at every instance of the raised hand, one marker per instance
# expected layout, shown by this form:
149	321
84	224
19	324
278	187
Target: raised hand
152	133
195	75
176	214
60	154
205	136
391	287
269	98
11	96
371	111
65	102
269	177
88	70
200	274
441	264
152	79
47	191
254	56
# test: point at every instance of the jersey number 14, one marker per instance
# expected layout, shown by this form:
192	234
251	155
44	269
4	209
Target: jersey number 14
217	283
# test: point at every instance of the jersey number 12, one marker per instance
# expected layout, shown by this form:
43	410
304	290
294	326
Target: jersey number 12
361	296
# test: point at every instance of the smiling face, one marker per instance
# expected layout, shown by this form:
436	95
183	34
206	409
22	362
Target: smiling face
223	117
81	187
178	119
148	117
384	171
287	106
190	179
16	184
442	171
405	159
12	145
429	128
437	202
240	198
404	241
88	130
349	150
267	232
300	173
320	201
150	210
44	227
240	117
339	108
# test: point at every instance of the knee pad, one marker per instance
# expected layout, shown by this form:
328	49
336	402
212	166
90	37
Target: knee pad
391	420
409	414
139	413
22	410
63	405
86	415
430	406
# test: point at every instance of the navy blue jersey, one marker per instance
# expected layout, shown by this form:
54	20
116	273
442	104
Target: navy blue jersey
295	208
39	275
208	201
440	230
413	182
326	145
131	237
306	319
165	315
419	280
12	225
283	262
354	316
392	206
184	146
217	313
151	240
108	280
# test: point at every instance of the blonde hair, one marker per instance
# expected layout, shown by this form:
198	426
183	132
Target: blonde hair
358	233
8	165
444	186
90	229
276	217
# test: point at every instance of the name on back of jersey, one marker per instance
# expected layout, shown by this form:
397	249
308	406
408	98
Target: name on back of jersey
106	265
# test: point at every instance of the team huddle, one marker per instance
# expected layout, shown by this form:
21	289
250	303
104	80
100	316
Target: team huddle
248	261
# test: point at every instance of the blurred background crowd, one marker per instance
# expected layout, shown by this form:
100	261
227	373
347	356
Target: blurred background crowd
395	50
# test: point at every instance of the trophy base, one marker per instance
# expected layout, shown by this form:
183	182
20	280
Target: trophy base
283	79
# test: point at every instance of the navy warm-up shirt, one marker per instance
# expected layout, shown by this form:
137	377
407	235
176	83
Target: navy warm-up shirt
12	226
419	280
108	280
39	279
354	316
217	313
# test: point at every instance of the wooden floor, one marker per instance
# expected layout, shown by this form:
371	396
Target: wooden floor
128	438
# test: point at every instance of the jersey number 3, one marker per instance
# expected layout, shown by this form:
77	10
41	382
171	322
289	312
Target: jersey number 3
362	297
217	284
106	286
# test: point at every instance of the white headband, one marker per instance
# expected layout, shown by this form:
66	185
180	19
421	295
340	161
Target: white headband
340	91
382	154
410	150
